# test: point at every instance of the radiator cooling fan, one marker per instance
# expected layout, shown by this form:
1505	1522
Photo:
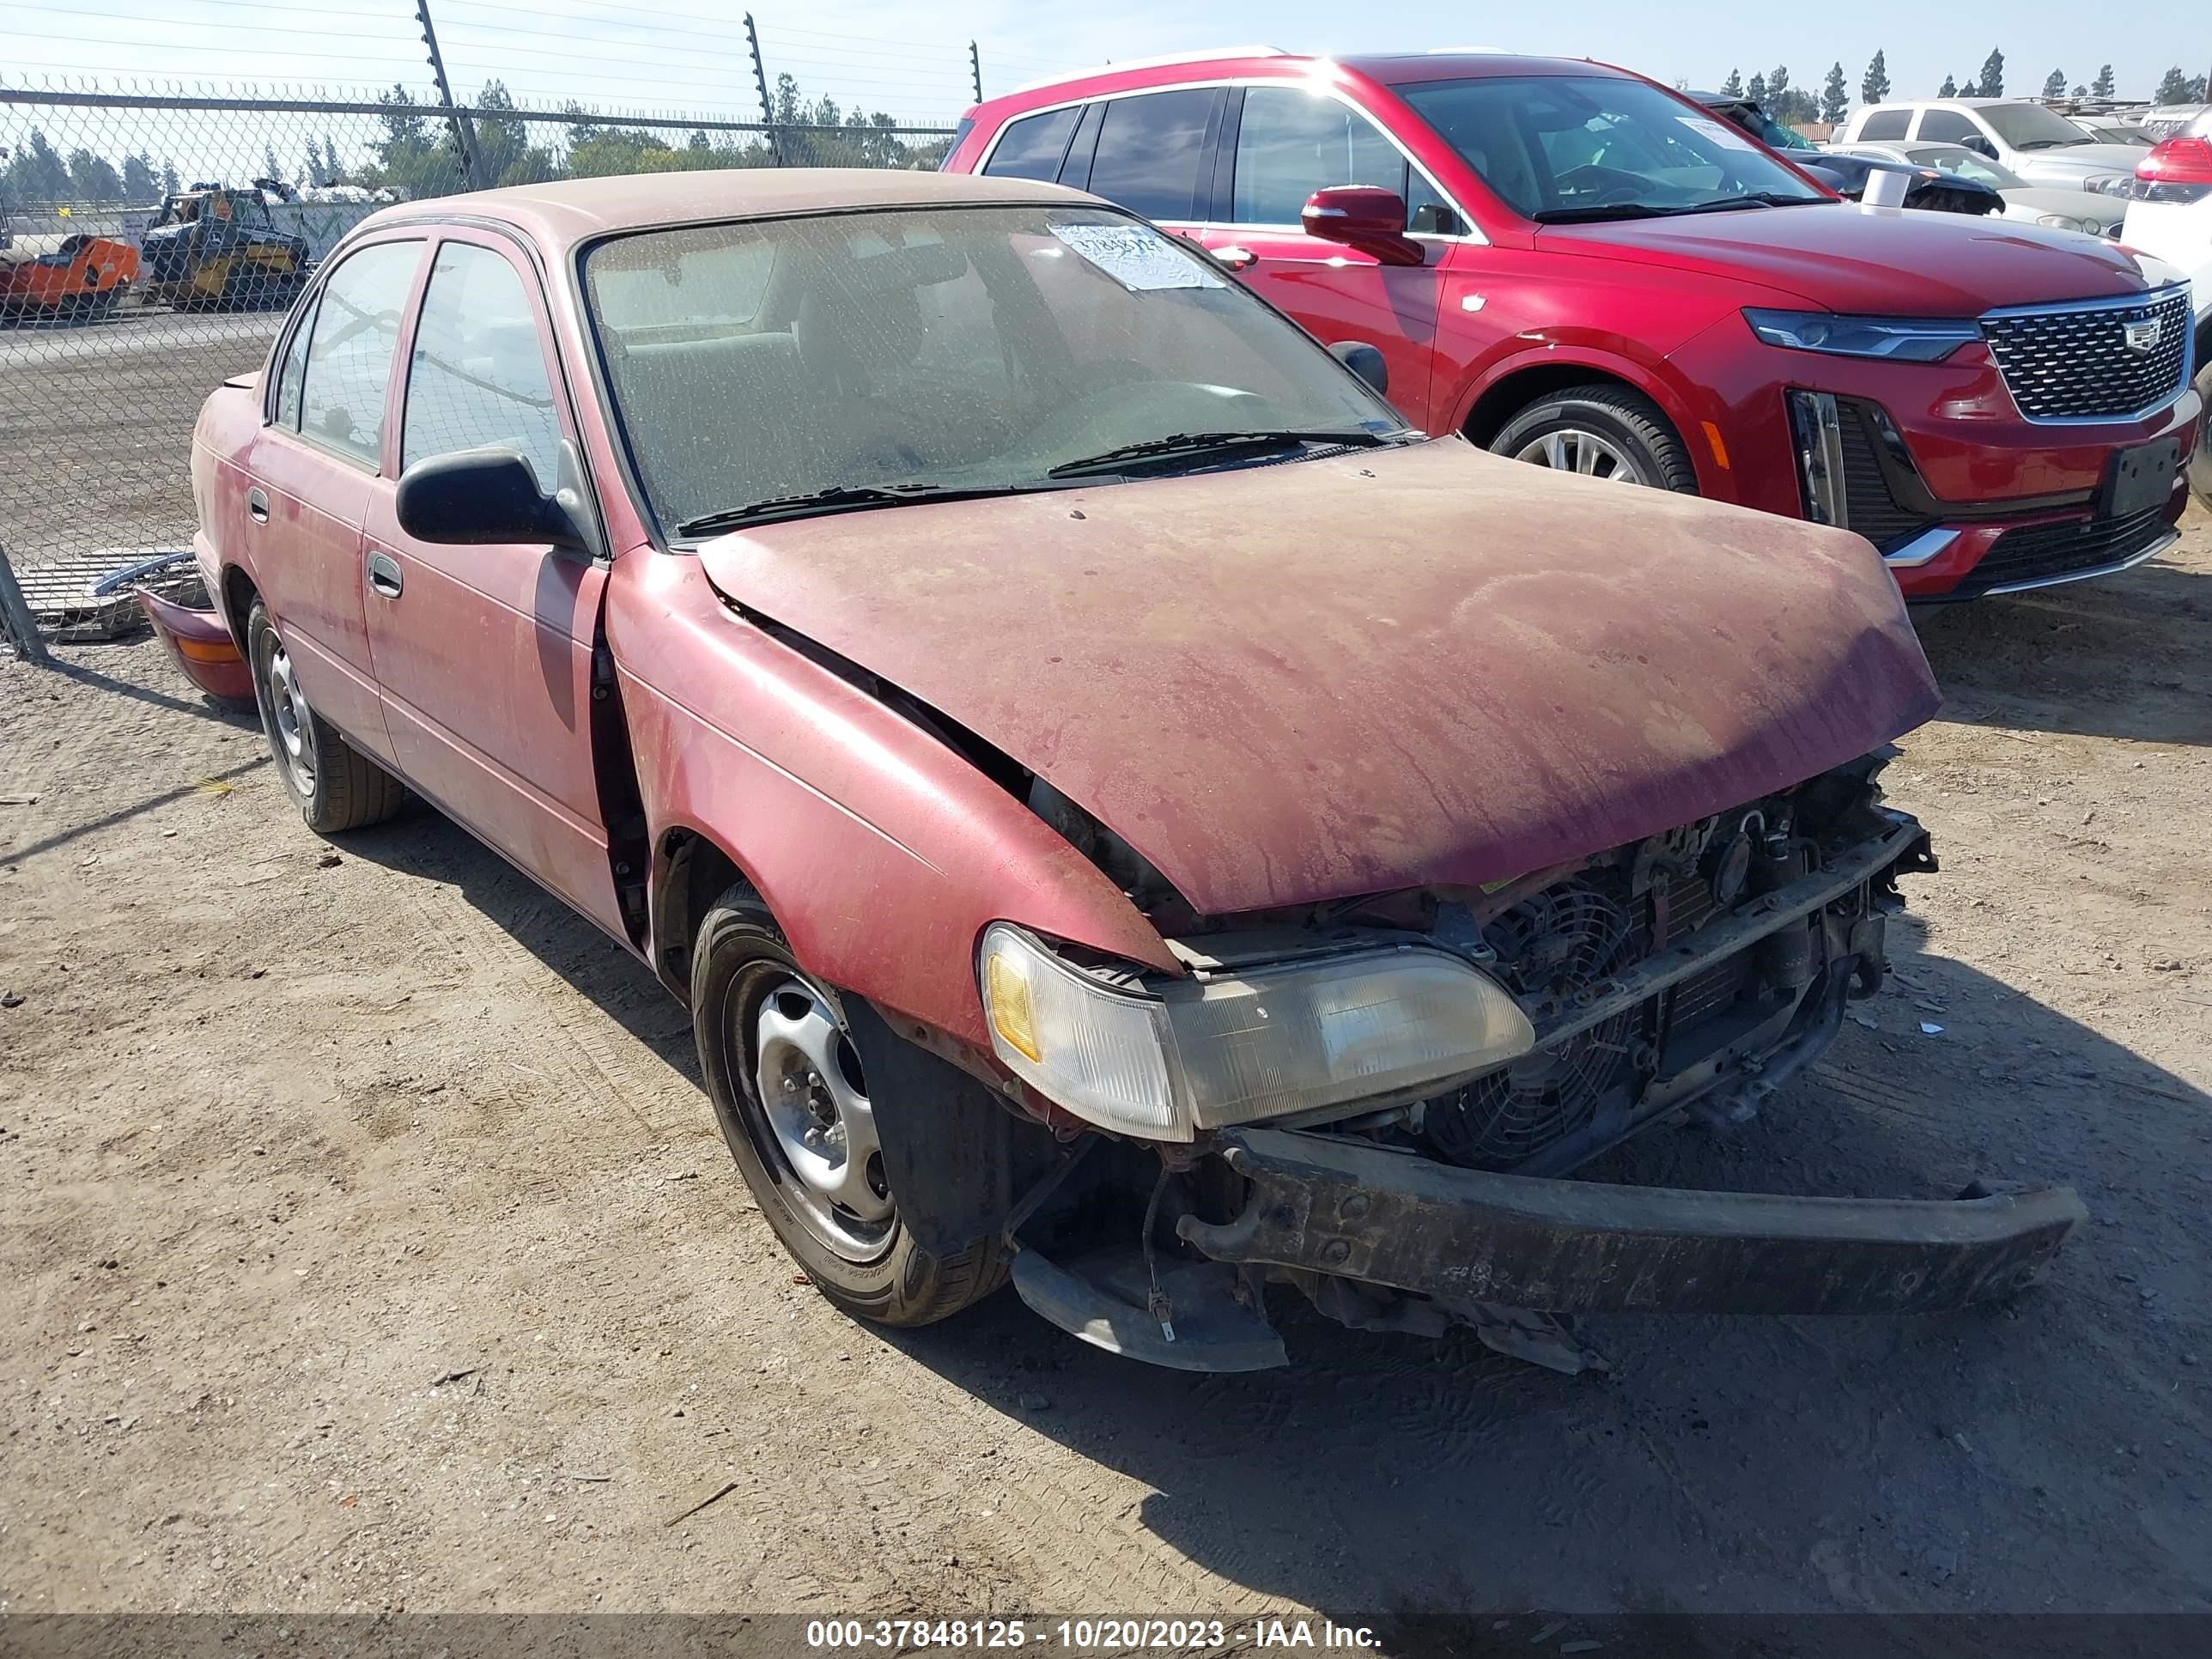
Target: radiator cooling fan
1567	936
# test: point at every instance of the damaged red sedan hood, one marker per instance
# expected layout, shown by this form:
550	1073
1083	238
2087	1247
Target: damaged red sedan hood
1398	668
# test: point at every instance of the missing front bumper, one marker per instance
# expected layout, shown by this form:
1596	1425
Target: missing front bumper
1326	1205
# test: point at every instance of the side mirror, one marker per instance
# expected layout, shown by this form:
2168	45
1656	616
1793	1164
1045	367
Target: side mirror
1365	360
490	494
1364	216
1981	147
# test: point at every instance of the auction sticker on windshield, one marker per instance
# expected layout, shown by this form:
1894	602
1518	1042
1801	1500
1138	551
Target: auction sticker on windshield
1719	131
1137	257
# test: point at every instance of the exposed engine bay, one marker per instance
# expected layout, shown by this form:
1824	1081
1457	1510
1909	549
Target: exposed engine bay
1684	977
1568	941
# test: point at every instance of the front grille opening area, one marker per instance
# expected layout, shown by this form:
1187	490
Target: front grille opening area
2089	363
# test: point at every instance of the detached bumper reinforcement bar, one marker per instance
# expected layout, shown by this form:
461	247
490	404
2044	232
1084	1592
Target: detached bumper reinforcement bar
1570	1246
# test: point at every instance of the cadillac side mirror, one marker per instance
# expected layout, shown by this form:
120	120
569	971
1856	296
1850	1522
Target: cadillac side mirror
491	495
1365	360
1364	216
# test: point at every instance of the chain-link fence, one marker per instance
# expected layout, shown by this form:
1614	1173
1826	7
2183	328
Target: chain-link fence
155	242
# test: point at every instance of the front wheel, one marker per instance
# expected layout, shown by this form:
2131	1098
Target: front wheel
1603	432
794	1105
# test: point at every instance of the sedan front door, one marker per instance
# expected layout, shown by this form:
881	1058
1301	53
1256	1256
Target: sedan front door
1290	142
484	654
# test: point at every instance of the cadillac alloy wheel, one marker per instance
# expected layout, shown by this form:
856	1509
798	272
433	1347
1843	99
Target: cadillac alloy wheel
1606	432
1569	449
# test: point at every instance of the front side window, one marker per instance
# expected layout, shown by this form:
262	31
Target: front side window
1150	150
1948	127
969	351
349	367
1557	148
1031	148
478	375
2031	126
1292	143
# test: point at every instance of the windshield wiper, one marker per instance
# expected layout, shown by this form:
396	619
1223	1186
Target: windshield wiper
1756	199
1571	216
1644	210
839	498
1200	443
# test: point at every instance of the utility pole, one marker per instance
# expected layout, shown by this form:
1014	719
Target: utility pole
976	69
760	81
464	137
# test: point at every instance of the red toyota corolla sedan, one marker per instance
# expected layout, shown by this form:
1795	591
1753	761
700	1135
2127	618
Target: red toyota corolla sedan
1578	267
1124	809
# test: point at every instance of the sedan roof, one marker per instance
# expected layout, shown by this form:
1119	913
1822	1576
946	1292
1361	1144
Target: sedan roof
560	215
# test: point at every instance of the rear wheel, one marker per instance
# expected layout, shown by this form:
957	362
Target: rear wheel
334	785
1599	431
794	1105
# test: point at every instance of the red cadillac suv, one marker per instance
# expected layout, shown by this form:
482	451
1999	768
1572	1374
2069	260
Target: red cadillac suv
1572	264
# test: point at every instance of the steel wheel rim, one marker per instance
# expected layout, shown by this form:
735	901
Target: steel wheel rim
810	1116
1580	451
291	721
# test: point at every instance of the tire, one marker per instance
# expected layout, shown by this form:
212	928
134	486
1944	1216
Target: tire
335	787
1623	432
757	1015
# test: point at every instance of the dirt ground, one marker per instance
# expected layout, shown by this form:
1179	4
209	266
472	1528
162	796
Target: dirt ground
368	1244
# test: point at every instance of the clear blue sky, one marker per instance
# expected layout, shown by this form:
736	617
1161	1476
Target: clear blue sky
911	57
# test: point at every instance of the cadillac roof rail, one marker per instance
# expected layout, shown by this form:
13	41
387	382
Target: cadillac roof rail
1160	62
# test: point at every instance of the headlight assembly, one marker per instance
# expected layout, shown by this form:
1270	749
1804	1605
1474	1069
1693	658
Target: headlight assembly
1907	339
2066	222
2111	184
1171	1057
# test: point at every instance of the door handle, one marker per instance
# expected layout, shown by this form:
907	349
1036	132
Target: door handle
385	577
1235	258
257	505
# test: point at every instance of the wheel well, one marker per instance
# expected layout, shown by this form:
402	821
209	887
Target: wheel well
236	600
1499	403
693	873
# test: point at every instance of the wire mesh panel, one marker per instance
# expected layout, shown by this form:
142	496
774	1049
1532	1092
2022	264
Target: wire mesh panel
156	242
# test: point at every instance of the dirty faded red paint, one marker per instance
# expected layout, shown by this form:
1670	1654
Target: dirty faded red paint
1428	665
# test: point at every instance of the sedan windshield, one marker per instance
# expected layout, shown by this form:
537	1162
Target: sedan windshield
784	367
1559	147
2031	126
1957	158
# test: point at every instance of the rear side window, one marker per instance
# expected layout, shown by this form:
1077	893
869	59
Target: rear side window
1946	127
350	350
1150	150
1887	124
1292	143
294	371
1031	148
477	375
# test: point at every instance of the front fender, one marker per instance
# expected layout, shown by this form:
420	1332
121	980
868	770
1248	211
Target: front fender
1687	406
881	852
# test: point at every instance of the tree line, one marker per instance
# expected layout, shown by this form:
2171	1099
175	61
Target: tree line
414	153
1784	102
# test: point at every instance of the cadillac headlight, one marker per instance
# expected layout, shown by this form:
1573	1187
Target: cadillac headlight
1171	1057
1908	340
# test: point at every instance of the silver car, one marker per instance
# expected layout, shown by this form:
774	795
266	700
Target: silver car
2092	214
2038	144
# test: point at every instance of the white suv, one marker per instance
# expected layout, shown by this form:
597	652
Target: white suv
2170	218
2039	144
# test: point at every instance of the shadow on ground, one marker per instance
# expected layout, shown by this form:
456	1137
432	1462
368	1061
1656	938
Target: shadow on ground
1761	1465
2043	661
